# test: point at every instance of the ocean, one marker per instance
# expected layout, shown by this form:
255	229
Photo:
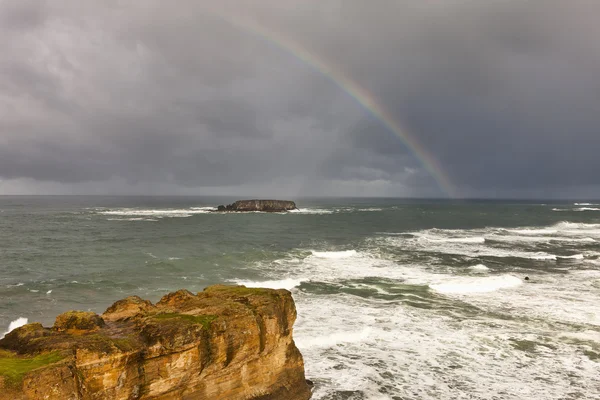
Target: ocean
397	299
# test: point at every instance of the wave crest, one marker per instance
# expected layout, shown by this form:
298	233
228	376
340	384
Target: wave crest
17	323
334	254
280	284
477	285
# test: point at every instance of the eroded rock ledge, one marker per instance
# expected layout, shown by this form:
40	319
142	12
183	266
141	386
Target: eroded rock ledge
259	205
227	342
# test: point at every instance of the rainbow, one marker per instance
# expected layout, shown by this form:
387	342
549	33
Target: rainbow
351	87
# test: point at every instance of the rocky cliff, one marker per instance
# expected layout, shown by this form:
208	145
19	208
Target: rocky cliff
259	205
227	342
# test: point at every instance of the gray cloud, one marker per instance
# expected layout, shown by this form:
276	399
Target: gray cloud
153	98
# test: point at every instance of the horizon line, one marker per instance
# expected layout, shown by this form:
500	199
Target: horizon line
313	197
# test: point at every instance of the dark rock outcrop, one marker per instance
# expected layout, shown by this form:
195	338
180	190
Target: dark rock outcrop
259	205
227	342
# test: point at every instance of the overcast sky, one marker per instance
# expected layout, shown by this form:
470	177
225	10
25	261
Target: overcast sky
181	98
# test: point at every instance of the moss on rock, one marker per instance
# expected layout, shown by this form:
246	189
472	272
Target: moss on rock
13	368
204	320
78	320
130	307
240	290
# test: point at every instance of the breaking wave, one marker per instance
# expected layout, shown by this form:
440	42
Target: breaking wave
571	240
438	239
479	268
334	254
280	284
465	285
311	211
156	213
577	209
17	323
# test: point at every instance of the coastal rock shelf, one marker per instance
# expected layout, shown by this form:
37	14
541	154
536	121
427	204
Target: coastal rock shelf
227	342
259	205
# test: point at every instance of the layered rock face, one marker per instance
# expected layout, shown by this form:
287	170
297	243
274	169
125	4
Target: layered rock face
259	205
227	342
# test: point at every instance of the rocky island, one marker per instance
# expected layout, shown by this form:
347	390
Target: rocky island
227	342
258	205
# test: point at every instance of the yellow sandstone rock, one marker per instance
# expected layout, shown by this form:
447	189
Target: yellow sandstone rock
227	342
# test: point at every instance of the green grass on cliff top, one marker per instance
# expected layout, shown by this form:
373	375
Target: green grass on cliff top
204	320
242	290
14	368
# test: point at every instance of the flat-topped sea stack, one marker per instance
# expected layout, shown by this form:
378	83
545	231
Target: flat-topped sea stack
259	205
227	342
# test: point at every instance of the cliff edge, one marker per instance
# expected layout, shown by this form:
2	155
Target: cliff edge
259	205
227	342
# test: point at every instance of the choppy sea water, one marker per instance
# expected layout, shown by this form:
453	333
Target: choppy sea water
396	299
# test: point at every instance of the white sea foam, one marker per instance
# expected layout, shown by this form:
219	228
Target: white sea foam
17	323
365	264
576	225
573	257
280	284
568	299
543	231
560	229
479	268
133	219
492	242
311	211
573	239
334	210
585	274
349	264
138	214
593	261
362	341
587	335
358	345
540	256
158	213
470	248
334	254
586	204
467	285
438	239
577	209
578	229
337	338
537	239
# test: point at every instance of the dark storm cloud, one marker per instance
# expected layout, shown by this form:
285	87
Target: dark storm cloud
180	98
